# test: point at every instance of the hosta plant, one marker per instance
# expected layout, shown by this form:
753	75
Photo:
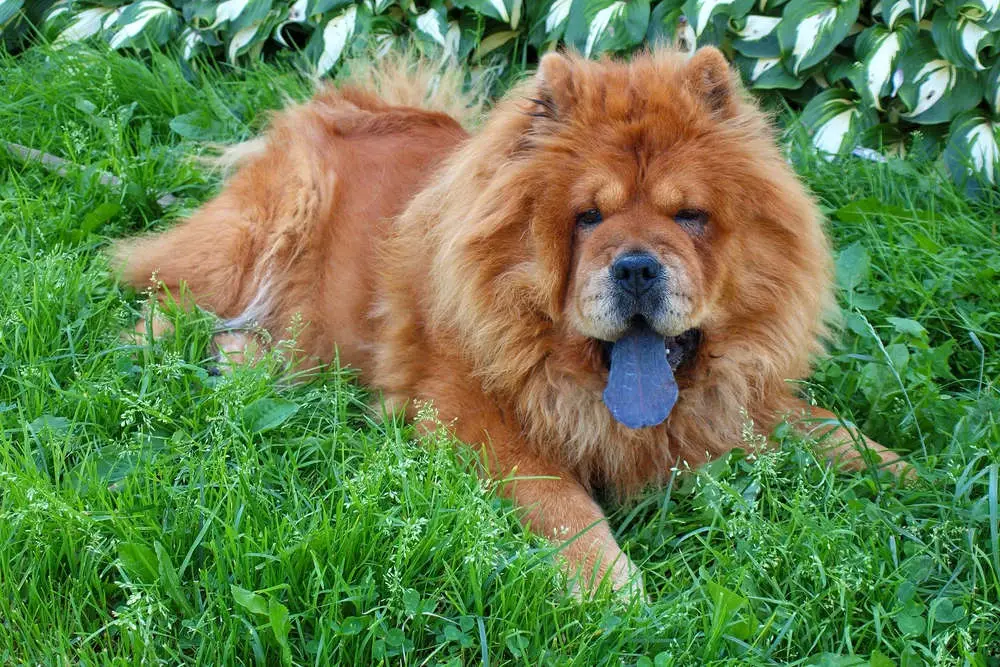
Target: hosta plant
875	78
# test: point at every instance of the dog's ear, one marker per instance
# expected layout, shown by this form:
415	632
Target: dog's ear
555	86
711	80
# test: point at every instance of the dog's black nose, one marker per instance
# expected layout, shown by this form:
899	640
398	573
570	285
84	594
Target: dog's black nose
636	272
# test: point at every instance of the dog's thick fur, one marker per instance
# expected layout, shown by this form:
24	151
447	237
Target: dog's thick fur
449	269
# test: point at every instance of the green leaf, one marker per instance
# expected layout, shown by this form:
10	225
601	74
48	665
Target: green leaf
879	50
835	120
549	22
852	266
100	215
986	12
145	23
934	90
992	92
669	25
757	36
894	10
700	12
327	45
596	26
198	125
911	625
811	29
277	614
86	24
139	561
255	604
265	414
767	73
169	580
9	9
945	610
48	423
494	42
960	40
507	11
908	327
972	155
433	25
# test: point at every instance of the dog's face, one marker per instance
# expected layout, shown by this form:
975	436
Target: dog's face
646	189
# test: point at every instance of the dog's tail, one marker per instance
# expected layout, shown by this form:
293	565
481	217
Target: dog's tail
400	77
403	77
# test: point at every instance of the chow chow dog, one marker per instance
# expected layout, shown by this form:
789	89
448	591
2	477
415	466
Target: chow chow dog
611	278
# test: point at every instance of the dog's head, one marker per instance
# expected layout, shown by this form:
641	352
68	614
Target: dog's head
660	196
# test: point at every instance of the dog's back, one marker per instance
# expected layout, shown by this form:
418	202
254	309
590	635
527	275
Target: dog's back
294	232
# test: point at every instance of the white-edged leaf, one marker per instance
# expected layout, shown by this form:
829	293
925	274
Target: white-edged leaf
506	11
757	36
85	24
191	39
335	35
835	119
934	90
555	18
986	12
959	40
700	12
596	26
767	73
600	23
894	10
879	50
811	29
229	10
8	10
242	40
144	22
973	151
433	25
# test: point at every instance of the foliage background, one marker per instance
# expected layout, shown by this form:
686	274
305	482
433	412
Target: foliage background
883	78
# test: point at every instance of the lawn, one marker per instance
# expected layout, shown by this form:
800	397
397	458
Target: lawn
153	511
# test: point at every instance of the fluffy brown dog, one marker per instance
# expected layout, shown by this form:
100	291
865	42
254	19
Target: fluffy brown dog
634	215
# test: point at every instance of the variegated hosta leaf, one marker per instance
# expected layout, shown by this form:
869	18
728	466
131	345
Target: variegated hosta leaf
983	12
700	12
508	11
992	92
767	73
143	23
191	40
8	10
894	10
835	119
605	25
879	50
669	25
757	36
933	89
547	21
960	40
85	24
811	29
330	40
973	151
432	25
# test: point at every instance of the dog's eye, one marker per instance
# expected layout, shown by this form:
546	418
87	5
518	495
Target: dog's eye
691	219
589	218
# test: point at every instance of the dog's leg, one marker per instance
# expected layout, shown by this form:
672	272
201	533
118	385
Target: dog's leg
844	447
555	505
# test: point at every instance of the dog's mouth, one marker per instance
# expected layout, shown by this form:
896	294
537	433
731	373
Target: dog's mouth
681	349
641	389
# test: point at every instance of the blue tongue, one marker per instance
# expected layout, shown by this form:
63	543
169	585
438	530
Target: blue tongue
641	388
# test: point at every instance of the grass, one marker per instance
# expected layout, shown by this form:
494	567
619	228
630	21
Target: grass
150	511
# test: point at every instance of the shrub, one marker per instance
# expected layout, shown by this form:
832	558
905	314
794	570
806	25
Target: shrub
883	78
